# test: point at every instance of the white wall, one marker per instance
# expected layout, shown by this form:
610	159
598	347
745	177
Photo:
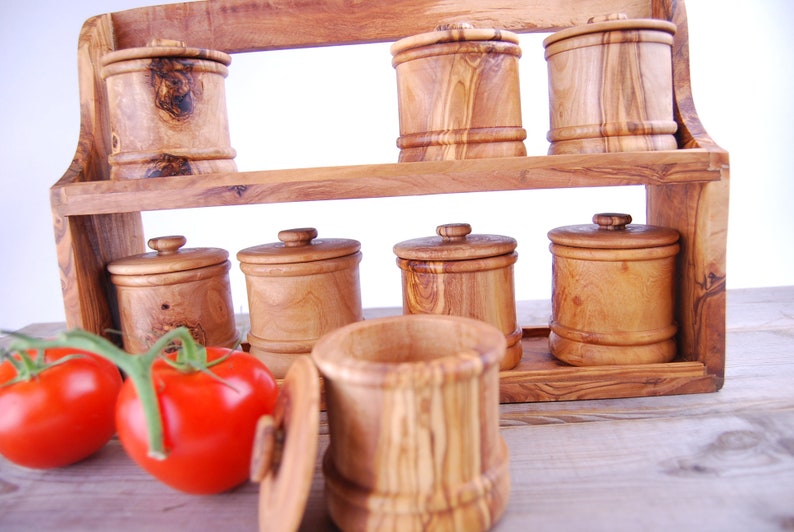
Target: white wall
331	106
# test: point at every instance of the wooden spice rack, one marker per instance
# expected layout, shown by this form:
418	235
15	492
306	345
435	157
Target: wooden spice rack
97	221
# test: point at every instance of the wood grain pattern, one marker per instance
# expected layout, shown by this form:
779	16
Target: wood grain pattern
610	87
413	418
298	290
167	111
458	98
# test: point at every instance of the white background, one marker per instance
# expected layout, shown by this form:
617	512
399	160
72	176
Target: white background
338	106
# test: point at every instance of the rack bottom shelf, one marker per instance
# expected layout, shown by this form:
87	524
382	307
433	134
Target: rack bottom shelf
541	377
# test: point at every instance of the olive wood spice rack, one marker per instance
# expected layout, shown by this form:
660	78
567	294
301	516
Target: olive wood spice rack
98	220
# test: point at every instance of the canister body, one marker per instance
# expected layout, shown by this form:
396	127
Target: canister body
151	303
414	424
167	111
610	87
458	95
613	305
293	301
458	275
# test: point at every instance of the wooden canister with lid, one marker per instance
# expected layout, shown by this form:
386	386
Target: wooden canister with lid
299	289
611	86
413	418
172	287
461	274
613	290
458	94
167	111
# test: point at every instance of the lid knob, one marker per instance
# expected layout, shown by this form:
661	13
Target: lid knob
612	221
453	232
297	237
167	245
165	42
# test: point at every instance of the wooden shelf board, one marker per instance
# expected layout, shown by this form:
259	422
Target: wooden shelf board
385	180
541	377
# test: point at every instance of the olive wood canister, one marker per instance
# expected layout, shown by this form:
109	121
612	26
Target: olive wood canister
458	94
461	274
611	86
299	289
413	418
167	111
613	290
172	287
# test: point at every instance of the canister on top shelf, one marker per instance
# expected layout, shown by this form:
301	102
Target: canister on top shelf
413	417
299	289
613	288
461	274
172	287
458	94
167	111
611	86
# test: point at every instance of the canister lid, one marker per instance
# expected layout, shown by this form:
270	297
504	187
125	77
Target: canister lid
454	32
285	449
167	257
455	242
165	48
613	22
299	245
613	231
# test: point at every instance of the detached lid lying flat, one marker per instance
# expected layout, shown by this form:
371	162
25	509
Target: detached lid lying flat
612	231
299	245
168	256
455	242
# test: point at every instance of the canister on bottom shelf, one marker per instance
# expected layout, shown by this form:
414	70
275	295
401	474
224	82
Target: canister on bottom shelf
611	86
172	287
461	274
458	94
613	290
413	417
167	111
299	289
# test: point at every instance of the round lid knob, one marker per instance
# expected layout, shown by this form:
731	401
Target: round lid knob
455	242
613	231
168	256
298	245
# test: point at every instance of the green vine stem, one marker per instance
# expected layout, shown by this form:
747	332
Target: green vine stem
138	367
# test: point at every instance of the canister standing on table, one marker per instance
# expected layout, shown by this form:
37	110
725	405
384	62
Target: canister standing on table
461	274
613	287
299	289
173	287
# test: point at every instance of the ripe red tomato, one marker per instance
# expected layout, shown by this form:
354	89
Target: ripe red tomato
208	420
62	414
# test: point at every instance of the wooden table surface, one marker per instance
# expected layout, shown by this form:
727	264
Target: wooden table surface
720	461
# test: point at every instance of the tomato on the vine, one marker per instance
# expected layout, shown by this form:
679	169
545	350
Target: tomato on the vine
56	406
209	419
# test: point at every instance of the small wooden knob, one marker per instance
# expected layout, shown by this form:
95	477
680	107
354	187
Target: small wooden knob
453	232
167	245
166	42
297	237
612	221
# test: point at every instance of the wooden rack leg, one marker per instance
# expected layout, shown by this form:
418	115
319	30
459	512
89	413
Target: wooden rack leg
699	211
85	245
